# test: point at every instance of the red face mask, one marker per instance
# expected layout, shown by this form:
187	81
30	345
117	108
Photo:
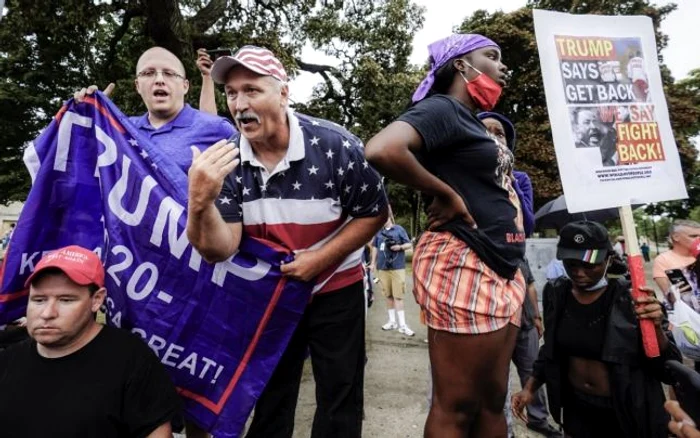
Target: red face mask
483	90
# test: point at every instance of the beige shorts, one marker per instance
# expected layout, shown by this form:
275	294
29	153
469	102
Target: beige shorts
393	282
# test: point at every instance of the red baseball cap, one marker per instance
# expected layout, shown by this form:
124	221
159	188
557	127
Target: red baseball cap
79	264
695	248
256	59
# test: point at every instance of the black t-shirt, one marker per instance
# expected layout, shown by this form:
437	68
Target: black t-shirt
459	151
113	387
582	327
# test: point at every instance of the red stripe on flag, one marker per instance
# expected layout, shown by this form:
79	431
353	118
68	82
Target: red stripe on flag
217	407
103	110
198	398
100	108
254	343
13	296
59	114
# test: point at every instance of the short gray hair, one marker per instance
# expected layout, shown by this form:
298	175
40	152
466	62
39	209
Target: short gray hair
676	225
679	223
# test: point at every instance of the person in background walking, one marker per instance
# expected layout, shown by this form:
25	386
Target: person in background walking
619	246
6	238
645	251
389	248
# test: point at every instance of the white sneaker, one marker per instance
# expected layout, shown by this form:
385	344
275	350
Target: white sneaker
390	326
406	331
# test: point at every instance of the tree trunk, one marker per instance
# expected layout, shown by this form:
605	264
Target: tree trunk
168	29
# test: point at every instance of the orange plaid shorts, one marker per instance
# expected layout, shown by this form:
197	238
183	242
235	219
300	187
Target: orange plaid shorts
457	292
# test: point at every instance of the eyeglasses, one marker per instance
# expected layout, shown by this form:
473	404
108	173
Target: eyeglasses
152	73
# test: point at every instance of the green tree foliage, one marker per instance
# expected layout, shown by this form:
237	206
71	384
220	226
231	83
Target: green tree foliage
684	105
38	70
50	48
524	99
374	80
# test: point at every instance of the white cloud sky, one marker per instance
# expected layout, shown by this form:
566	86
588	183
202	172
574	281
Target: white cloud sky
681	55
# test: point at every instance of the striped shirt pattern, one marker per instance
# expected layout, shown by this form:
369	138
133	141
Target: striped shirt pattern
322	184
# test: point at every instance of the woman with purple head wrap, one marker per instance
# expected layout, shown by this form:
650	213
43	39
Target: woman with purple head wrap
465	267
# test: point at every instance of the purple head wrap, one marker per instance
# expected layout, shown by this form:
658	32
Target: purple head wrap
445	49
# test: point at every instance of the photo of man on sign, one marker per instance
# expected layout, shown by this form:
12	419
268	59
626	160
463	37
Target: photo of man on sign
594	127
623	134
587	127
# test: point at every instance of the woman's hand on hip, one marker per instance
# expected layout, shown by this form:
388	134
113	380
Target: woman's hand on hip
446	208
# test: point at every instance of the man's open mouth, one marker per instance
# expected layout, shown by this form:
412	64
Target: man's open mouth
247	120
161	93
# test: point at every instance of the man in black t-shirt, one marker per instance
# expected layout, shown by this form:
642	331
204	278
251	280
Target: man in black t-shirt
76	378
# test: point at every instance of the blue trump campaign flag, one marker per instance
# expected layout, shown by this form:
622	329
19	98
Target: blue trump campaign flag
219	329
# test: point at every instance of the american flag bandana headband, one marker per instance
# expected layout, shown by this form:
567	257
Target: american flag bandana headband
257	59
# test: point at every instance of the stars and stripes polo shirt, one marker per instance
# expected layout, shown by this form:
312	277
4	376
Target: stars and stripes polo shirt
321	184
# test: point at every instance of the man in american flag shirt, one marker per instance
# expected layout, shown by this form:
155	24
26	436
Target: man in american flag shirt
301	183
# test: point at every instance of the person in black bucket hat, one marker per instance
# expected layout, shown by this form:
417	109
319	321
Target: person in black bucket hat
592	359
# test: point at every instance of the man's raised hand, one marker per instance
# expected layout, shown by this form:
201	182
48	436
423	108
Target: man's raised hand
204	62
79	95
208	171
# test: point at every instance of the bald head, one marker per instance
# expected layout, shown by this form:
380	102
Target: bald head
160	56
161	85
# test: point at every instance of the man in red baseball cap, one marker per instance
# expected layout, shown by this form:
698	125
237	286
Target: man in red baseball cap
69	275
85	379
